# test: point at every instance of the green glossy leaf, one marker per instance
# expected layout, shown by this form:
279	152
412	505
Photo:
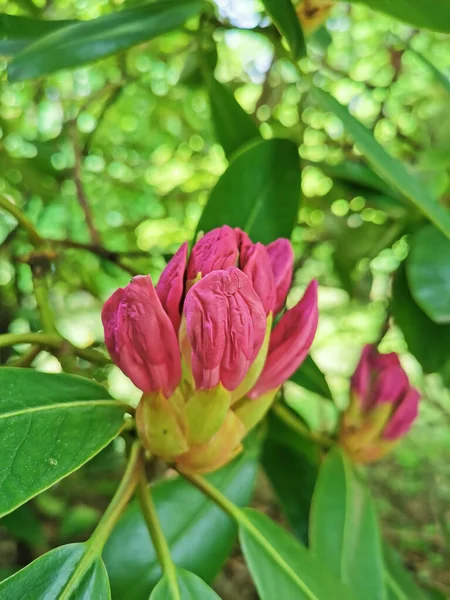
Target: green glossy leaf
390	169
399	583
190	585
49	426
281	567
344	533
439	76
418	329
25	526
87	41
200	535
234	127
310	377
416	12
259	192
428	271
358	173
46	577
282	13
18	32
291	464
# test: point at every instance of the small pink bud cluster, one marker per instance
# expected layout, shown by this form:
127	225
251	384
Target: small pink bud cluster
383	406
201	348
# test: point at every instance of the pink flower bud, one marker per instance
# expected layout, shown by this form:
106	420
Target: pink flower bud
171	285
281	258
226	324
290	342
140	337
243	241
404	416
380	379
216	250
254	262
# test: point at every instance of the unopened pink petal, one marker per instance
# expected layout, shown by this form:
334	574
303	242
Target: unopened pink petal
171	285
217	249
403	417
243	241
281	258
290	342
226	324
390	385
254	262
141	339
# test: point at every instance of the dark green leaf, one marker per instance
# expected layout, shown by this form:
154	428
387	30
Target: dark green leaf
46	577
18	32
282	13
259	192
428	271
391	170
291	464
418	329
25	526
416	12
234	127
49	426
191	588
90	40
281	567
344	532
399	583
310	377
199	534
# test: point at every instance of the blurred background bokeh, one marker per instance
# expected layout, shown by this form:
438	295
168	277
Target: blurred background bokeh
116	160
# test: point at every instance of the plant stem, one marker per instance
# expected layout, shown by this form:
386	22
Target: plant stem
156	533
103	530
43	303
54	341
22	219
209	490
296	425
27	359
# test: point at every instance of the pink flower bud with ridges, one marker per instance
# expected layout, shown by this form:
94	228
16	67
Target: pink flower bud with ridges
140	337
225	323
281	258
383	406
216	250
254	262
290	342
170	286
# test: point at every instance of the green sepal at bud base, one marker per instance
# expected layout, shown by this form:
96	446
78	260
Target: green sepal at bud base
159	426
361	435
256	368
205	412
220	449
251	411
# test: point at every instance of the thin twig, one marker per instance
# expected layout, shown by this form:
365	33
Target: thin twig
296	425
22	219
81	196
53	341
109	103
26	360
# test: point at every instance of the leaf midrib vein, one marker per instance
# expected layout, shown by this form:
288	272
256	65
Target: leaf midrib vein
61	405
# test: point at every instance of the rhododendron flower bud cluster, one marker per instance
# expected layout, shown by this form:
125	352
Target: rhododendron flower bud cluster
383	406
201	347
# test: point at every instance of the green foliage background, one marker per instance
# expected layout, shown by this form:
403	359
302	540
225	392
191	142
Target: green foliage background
116	160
